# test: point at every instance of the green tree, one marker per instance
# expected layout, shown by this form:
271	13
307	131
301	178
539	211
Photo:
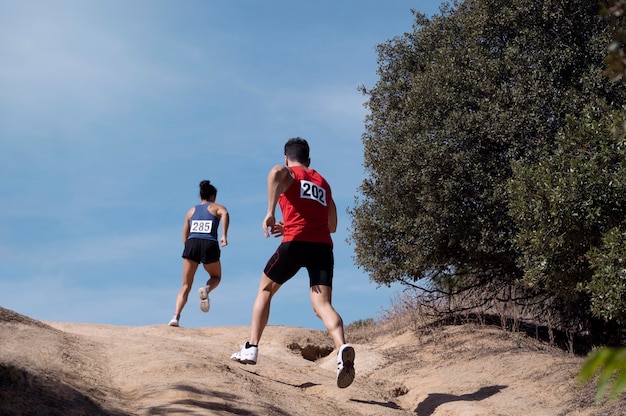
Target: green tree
609	281
459	100
570	208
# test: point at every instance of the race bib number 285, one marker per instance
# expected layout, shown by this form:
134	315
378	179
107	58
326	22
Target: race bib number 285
201	226
309	190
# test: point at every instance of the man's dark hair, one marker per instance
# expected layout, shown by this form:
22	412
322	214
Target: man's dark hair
207	190
297	149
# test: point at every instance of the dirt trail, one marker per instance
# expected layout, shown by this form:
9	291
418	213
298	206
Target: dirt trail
86	369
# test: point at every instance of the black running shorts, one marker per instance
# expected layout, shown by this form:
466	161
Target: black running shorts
289	257
201	250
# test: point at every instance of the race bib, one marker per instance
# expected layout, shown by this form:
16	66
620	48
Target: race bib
202	226
309	190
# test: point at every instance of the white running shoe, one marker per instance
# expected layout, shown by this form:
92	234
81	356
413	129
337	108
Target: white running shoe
247	355
205	304
345	366
173	321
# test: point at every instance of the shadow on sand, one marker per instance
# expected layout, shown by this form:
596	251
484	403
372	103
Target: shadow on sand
434	400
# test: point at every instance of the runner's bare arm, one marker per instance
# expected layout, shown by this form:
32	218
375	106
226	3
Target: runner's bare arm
186	224
332	216
278	180
225	219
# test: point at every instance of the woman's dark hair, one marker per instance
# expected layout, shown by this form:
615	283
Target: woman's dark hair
207	190
297	149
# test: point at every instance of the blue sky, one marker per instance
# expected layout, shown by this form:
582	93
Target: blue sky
112	112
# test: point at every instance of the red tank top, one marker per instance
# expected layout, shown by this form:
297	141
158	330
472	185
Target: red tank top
304	206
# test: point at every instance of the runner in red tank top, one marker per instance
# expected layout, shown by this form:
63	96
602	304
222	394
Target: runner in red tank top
309	216
305	207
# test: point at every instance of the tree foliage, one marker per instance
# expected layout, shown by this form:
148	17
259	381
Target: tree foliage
608	284
570	208
463	101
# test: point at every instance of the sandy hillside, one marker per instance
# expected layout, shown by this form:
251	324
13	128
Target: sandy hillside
50	368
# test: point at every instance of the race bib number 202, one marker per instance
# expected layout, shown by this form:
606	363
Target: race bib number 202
201	226
309	190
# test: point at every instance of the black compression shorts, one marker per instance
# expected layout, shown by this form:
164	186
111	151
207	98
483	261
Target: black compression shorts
289	257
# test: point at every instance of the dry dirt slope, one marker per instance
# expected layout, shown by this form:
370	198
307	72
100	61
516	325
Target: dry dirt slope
49	368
